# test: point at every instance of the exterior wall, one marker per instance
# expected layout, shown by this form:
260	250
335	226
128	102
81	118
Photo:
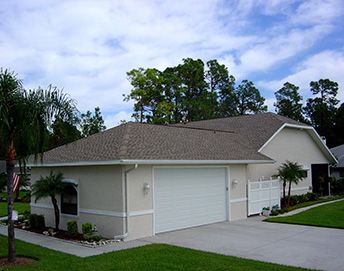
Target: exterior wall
294	145
238	192
140	203
101	194
100	197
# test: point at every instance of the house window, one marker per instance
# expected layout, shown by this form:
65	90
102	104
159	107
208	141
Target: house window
304	174
69	200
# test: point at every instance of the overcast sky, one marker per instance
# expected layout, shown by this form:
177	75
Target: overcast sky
86	47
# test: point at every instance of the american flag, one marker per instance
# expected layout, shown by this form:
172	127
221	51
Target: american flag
15	181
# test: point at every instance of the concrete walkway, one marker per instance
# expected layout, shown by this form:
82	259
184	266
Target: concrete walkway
70	247
295	245
300	210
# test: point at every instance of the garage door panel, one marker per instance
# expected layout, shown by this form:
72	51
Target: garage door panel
186	197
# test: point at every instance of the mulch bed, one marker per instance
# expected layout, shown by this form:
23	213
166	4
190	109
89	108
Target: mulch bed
20	260
61	234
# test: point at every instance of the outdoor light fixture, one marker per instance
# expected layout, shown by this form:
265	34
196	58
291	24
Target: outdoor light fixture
146	188
235	182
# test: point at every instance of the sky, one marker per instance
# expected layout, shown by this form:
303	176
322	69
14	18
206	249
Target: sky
86	47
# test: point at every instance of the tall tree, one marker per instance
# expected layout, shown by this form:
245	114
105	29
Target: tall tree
63	132
172	85
338	126
222	85
321	110
91	124
289	102
249	99
197	102
24	116
151	103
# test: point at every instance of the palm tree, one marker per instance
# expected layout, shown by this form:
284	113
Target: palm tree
24	118
290	172
50	186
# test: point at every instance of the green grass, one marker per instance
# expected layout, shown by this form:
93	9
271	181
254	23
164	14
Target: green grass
21	194
150	257
309	203
21	207
330	215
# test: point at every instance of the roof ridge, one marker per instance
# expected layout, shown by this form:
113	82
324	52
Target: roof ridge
123	149
201	129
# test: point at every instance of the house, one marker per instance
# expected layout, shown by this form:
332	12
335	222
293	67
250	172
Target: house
338	169
136	179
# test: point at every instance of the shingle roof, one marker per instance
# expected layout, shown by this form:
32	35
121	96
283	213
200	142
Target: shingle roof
339	153
254	130
237	138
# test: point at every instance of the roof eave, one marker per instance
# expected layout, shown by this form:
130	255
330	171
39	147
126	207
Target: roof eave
150	162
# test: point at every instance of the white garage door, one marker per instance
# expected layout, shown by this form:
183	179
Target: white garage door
186	197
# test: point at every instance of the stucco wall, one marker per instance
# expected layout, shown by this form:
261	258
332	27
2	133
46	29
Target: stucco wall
140	203
238	195
100	196
291	144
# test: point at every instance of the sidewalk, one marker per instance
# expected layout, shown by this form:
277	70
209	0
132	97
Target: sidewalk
300	210
68	246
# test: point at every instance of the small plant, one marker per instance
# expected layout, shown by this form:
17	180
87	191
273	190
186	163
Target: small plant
37	221
92	237
87	228
72	228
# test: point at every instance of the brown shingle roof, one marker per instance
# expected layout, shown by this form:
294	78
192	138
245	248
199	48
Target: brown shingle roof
237	138
254	130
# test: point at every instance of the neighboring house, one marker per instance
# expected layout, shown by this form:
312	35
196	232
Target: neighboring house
137	179
338	169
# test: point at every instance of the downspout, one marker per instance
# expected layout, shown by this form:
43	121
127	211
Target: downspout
126	211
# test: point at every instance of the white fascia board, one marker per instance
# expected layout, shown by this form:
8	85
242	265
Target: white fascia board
197	162
79	163
150	162
314	134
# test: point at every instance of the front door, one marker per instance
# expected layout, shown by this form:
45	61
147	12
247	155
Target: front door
319	178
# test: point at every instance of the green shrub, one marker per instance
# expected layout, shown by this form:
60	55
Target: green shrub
91	237
337	186
87	228
72	228
274	212
37	221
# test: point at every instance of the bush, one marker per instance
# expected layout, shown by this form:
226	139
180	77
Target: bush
87	228
337	186
91	237
37	221
72	228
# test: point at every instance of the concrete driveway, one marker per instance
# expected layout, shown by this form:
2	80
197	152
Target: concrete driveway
304	246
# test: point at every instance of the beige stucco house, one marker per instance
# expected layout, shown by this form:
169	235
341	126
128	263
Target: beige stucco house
136	180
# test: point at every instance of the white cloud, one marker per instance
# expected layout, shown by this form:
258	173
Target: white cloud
327	64
115	120
87	47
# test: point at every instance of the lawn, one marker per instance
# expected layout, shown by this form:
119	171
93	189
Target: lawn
330	215
150	257
21	207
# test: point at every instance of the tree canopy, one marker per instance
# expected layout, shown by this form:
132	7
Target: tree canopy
190	91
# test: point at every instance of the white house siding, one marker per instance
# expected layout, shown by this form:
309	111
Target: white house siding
140	205
291	144
238	194
100	195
